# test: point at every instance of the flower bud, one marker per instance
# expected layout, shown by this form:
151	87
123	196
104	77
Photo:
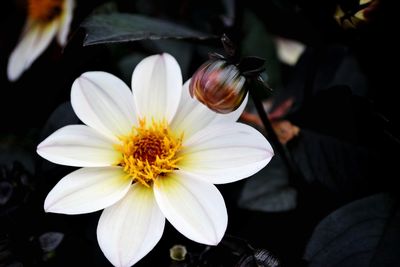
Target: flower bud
178	253
218	85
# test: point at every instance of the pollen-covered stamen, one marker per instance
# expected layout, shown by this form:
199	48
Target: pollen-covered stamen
149	152
44	10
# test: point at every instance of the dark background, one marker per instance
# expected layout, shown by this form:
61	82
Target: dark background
336	204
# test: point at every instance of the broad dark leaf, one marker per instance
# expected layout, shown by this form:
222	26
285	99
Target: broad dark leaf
358	234
337	66
335	146
120	27
340	166
269	189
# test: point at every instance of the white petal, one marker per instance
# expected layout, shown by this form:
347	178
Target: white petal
157	86
87	190
79	146
104	102
194	207
65	21
192	116
225	153
130	229
34	40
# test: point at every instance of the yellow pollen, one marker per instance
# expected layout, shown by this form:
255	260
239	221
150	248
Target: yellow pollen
44	10
149	152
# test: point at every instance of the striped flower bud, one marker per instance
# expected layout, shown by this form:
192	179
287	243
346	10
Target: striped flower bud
218	85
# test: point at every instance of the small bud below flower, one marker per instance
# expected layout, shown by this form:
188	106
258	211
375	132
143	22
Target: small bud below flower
178	253
218	85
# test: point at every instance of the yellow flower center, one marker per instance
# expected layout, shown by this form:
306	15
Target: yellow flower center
149	152
44	10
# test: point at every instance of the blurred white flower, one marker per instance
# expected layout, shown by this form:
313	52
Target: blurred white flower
149	154
46	19
289	51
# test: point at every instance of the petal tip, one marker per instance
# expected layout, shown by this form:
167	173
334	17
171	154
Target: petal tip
48	207
14	69
40	150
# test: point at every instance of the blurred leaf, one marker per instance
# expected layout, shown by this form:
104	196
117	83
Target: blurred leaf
120	27
50	241
269	189
258	42
229	17
6	190
16	149
63	115
358	234
16	186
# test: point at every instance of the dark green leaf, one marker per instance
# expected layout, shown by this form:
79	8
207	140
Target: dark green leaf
339	166
268	190
120	27
337	66
330	149
355	235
